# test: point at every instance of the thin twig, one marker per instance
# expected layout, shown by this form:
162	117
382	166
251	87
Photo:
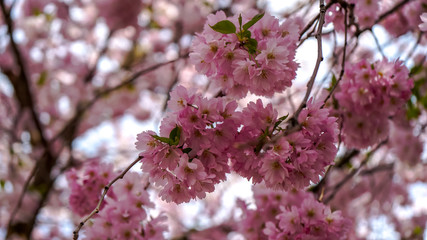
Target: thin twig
101	53
26	99
171	85
136	76
379	168
323	181
319	58
377	42
73	122
353	172
291	102
343	61
346	157
21	196
22	88
300	5
384	15
412	51
293	124
309	35
104	193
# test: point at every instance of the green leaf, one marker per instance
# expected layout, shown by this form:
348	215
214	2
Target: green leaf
163	139
240	22
280	120
40	188
416	89
246	34
333	82
413	111
42	78
253	21
175	135
415	70
186	150
224	27
262	139
424	101
252	45
37	12
417	231
335	103
2	183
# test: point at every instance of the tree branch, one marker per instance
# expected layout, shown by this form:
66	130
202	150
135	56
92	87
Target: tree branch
318	61
45	164
384	15
104	193
353	172
343	61
104	49
69	129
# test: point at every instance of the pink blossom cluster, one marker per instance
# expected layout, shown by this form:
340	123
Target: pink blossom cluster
404	19
293	160
369	95
290	215
407	147
191	161
205	134
377	185
119	13
236	68
125	213
365	11
87	187
335	15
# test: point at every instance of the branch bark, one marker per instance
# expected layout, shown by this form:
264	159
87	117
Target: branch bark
104	193
42	180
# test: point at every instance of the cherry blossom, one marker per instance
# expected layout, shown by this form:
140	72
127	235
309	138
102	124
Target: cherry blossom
229	61
82	83
371	91
423	26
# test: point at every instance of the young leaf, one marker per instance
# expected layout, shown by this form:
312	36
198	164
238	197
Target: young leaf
412	111
253	21
424	101
186	150
42	78
416	89
240	22
243	36
280	120
261	141
175	135
415	70
252	45
333	82
163	139
246	34
418	231
224	27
